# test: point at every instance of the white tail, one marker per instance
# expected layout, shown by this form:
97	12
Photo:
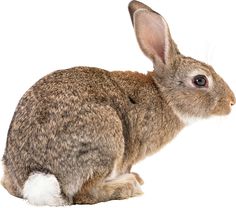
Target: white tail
43	189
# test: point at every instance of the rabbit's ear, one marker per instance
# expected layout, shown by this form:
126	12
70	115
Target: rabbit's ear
153	35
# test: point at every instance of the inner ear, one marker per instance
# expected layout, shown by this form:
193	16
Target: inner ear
152	34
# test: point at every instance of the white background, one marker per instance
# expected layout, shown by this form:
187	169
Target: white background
197	169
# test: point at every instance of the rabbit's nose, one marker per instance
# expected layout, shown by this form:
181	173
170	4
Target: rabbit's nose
233	101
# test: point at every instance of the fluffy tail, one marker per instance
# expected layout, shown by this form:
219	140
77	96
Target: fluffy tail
43	189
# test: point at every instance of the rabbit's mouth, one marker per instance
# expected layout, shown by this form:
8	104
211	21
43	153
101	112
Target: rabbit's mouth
222	109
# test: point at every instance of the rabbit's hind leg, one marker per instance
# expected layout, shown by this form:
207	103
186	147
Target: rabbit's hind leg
92	148
122	187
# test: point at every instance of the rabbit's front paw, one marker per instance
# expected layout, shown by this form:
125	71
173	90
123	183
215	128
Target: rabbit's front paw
125	186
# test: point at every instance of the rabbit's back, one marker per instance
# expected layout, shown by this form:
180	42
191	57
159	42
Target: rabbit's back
81	83
64	92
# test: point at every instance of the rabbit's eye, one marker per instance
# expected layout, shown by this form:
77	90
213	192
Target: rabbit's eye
200	81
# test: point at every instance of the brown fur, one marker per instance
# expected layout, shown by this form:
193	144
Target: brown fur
80	123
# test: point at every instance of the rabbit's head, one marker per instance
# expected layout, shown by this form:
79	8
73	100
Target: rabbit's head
192	88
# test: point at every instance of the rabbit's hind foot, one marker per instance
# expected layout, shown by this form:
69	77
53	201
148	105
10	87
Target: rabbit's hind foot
122	187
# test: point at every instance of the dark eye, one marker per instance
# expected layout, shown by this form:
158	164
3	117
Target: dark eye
200	81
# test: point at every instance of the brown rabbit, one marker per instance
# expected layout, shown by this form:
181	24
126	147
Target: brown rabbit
77	132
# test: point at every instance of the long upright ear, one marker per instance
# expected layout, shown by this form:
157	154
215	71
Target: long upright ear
153	35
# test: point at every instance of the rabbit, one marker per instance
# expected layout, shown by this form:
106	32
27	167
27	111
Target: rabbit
76	133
